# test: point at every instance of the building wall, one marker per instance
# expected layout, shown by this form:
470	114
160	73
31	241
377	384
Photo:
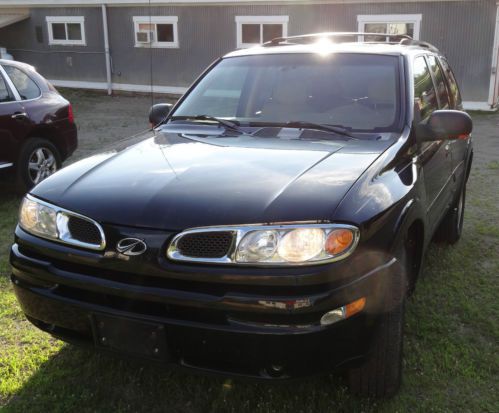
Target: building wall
85	63
462	30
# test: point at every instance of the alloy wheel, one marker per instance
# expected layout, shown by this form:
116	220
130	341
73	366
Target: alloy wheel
42	164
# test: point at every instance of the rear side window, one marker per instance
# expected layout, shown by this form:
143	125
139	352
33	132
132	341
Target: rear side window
454	88
443	95
4	92
425	98
26	87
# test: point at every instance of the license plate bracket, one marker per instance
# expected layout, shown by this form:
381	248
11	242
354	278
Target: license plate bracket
130	336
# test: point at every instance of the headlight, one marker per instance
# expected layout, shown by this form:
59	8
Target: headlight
299	244
49	221
38	219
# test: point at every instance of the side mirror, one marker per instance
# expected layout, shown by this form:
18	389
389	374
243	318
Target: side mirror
158	113
445	124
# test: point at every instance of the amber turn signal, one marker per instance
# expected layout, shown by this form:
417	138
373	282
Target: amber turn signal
355	307
338	241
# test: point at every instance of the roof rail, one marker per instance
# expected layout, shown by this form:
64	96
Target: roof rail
280	40
419	43
402	39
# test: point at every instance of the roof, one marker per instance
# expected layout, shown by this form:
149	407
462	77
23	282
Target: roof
10	16
56	3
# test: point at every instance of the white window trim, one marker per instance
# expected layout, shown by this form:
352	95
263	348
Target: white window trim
66	19
240	20
156	20
362	19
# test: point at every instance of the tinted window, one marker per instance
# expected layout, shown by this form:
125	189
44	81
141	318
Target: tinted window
74	31
4	92
425	98
454	89
354	90
443	95
271	31
165	32
59	31
24	85
251	33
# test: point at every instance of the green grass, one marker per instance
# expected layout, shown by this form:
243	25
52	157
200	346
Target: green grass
451	360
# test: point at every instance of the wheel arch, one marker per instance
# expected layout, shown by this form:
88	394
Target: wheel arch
52	135
412	238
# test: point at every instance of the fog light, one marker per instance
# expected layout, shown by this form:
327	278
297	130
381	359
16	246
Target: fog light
333	316
343	312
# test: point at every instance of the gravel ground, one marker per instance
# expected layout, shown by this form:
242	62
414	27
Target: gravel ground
103	120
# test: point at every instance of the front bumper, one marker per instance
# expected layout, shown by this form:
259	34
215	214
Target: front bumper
227	329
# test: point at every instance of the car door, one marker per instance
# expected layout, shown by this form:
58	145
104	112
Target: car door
459	147
12	129
435	157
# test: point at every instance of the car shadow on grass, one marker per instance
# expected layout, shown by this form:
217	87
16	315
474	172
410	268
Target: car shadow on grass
79	379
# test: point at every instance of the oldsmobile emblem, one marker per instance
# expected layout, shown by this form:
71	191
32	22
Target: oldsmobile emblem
131	246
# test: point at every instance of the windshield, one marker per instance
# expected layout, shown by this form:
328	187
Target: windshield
355	91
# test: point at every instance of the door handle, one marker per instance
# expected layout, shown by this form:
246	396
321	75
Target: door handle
20	116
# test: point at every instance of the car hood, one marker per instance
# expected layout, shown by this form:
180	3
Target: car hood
175	180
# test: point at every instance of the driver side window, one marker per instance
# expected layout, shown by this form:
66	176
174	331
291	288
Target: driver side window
425	97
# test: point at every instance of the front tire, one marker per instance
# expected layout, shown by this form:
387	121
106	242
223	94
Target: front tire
381	375
39	159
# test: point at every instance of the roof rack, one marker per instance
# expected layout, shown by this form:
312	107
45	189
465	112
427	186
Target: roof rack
402	39
412	42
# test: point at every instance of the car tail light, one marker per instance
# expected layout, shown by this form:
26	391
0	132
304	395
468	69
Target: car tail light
71	115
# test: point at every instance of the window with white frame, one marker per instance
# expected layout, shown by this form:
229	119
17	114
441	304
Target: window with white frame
255	30
156	31
408	24
66	30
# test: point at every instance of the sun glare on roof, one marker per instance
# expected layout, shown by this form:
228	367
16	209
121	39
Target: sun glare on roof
323	46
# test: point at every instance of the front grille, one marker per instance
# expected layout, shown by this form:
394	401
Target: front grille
84	231
215	244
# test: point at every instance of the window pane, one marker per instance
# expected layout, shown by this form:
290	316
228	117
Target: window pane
59	31
375	28
24	85
251	33
165	32
4	93
401	28
443	95
454	89
271	31
424	93
74	31
146	26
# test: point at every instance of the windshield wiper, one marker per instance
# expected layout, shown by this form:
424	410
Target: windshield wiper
320	126
224	122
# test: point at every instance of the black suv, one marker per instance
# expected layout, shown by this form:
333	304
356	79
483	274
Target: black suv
273	226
